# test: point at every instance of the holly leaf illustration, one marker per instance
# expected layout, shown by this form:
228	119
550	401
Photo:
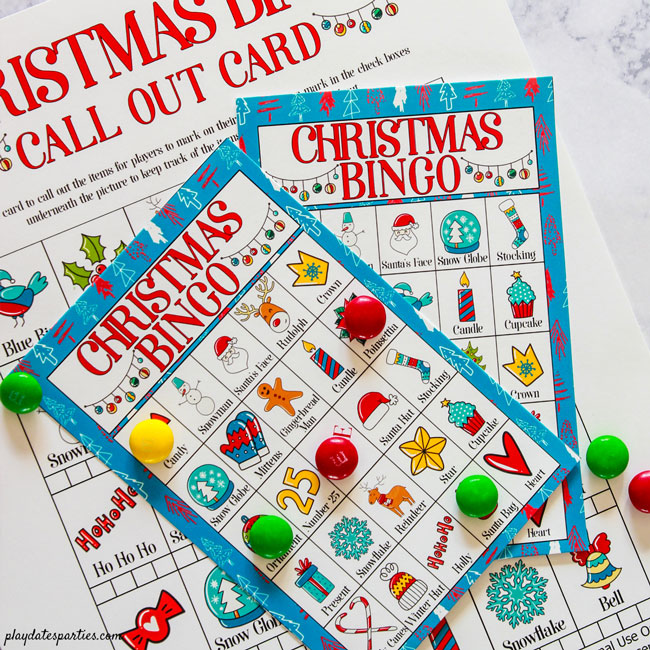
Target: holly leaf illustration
120	248
93	248
78	275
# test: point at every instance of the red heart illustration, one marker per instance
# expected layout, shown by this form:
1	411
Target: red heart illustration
538	515
512	462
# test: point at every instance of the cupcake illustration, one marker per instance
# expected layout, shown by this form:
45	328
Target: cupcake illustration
464	415
521	297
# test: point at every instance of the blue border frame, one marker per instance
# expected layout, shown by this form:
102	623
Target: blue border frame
125	271
554	259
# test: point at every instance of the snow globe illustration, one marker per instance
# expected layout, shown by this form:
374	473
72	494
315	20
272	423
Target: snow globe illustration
209	486
228	601
461	232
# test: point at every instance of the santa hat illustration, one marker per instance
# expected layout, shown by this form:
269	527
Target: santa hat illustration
223	345
347	224
373	406
404	220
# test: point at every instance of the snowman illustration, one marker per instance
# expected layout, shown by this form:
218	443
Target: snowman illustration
349	234
193	396
234	359
403	239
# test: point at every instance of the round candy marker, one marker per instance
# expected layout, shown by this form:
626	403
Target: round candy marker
336	458
639	491
607	456
20	392
269	536
364	317
151	441
477	496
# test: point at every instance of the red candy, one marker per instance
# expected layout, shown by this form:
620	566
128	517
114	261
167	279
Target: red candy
336	458
364	317
639	491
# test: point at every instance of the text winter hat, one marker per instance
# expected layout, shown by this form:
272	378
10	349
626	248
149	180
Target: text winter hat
372	407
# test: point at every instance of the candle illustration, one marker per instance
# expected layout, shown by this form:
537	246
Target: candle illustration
466	311
330	366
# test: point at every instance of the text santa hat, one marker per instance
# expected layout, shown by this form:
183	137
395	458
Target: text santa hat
404	220
372	407
222	345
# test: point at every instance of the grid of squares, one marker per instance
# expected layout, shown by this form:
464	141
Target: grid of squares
324	406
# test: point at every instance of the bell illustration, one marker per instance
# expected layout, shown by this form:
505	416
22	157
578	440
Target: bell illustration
600	571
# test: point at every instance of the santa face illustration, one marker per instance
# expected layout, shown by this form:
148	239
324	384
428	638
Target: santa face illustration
234	359
403	239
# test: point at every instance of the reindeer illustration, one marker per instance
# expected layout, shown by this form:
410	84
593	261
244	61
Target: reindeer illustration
392	499
276	317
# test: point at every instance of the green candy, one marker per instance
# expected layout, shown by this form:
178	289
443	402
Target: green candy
270	536
20	392
607	456
477	496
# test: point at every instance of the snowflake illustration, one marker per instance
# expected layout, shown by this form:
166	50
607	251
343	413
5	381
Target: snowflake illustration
351	538
526	368
313	271
516	594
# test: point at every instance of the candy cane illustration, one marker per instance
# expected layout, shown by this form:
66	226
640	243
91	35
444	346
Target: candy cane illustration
368	630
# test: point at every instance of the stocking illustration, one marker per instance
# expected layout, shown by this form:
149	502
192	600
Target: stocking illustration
508	208
397	358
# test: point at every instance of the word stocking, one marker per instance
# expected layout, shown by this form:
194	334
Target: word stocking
397	358
508	208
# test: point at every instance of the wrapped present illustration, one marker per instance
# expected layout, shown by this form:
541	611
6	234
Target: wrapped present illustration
312	580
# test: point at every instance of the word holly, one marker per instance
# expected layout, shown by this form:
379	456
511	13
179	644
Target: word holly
440	547
105	522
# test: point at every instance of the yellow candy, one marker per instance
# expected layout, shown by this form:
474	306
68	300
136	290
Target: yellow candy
151	441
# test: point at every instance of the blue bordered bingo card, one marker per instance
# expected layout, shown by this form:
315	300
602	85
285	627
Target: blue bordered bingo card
451	193
224	318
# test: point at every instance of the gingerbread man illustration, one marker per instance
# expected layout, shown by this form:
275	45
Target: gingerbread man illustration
278	396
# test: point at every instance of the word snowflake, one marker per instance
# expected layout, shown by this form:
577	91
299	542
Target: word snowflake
516	594
313	271
351	538
526	368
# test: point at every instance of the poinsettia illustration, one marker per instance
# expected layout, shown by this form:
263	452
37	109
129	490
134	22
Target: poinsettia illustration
82	276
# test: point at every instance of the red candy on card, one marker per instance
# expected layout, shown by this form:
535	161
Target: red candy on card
364	317
639	491
336	458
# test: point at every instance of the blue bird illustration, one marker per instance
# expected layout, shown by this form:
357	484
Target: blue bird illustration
16	299
407	293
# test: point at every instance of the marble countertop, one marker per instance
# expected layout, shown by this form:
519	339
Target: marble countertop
599	53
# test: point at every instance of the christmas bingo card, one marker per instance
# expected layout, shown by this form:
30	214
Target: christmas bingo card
451	193
223	317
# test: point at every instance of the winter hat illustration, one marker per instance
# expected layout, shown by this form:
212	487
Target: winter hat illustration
222	345
403	586
403	221
464	416
521	297
372	407
600	572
